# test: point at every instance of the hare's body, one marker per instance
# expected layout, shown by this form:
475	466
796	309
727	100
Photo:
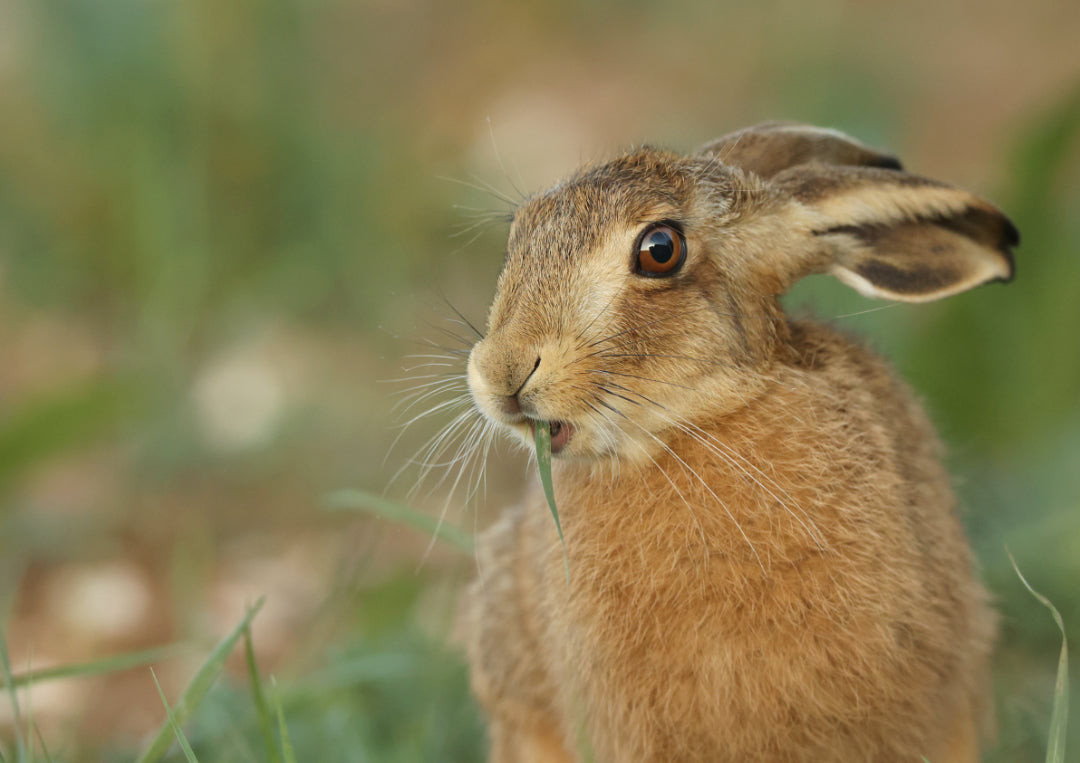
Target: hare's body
852	630
765	562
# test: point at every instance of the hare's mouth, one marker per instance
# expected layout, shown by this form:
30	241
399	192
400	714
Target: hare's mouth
561	432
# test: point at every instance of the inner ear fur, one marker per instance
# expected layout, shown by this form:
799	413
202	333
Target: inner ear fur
769	148
894	235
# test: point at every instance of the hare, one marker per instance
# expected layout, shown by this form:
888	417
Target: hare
765	559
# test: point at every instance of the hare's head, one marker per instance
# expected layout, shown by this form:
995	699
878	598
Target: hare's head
642	294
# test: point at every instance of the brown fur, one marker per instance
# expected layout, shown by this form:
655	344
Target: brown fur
765	560
771	147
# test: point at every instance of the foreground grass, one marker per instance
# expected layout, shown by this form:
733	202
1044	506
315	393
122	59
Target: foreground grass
369	702
390	692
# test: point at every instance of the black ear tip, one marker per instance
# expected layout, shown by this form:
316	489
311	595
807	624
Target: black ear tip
1011	234
886	162
1010	237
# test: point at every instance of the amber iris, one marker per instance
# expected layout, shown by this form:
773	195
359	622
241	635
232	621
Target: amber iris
661	251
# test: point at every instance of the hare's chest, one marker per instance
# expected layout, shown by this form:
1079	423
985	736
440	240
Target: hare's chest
667	667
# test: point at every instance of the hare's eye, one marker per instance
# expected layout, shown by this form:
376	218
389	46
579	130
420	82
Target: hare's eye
661	251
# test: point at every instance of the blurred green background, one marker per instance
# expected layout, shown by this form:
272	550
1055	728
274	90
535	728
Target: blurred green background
223	225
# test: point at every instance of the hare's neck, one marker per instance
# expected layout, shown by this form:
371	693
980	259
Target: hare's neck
734	489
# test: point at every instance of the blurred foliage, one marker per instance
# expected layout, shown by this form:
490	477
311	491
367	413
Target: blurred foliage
393	694
234	213
57	421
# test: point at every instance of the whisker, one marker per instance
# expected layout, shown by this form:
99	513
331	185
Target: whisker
635	376
482	187
646	325
455	383
700	479
581	334
473	217
461	317
420	395
473	483
435	446
452	334
498	158
479	232
447	404
431	355
616	394
729	454
478	212
463	447
417	377
710	361
432	364
812	530
456	351
870	310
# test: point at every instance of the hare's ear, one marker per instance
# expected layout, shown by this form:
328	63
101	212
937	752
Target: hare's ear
894	235
771	147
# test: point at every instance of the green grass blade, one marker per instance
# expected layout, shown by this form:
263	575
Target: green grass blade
543	462
363	501
177	731
30	725
283	730
113	664
262	710
41	742
1059	716
5	670
197	689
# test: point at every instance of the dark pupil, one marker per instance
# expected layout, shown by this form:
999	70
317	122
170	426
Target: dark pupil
660	246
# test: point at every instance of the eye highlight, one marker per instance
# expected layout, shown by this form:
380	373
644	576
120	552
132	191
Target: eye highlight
660	251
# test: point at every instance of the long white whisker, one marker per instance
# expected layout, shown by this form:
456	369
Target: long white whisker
403	428
465	453
482	187
418	395
700	479
729	454
460	400
814	532
704	484
436	444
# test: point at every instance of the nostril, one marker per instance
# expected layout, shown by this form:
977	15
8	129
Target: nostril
511	405
525	381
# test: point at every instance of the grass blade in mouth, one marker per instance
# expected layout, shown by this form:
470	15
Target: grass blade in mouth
543	461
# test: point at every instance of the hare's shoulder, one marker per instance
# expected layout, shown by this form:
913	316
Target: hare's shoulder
828	370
